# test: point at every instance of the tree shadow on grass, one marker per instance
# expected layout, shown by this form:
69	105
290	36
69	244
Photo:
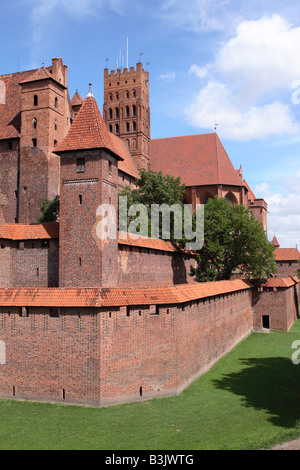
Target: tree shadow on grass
271	384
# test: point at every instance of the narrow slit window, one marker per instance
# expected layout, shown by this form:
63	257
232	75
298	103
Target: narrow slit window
80	165
35	100
80	199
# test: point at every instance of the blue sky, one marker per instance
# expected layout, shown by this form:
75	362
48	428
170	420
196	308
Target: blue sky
226	62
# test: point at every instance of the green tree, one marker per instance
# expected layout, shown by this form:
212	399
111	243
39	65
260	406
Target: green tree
233	239
50	210
153	189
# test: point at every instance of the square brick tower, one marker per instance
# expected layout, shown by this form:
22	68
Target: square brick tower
126	110
88	235
46	115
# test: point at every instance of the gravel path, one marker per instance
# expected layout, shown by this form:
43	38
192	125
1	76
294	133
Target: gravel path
293	445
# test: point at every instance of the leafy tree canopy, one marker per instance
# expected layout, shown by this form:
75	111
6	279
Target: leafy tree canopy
233	239
152	188
50	210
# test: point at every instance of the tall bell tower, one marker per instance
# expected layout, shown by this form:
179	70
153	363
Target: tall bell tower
126	110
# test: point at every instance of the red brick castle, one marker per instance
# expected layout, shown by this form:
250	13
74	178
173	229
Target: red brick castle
101	321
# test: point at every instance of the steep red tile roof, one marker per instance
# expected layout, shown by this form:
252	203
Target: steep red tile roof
127	165
77	99
106	297
40	74
286	254
89	131
10	112
144	242
278	282
251	195
275	242
29	232
198	159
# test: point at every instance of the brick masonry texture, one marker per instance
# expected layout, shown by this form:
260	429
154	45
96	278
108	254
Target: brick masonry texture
112	355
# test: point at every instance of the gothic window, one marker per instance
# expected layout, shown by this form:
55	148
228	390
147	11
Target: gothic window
117	113
127	94
110	97
134	110
117	96
134	125
231	198
35	100
127	127
110	113
127	111
34	123
117	128
134	93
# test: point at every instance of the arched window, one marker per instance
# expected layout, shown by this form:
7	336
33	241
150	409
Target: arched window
134	93
35	100
117	96
127	111
205	197
134	110
117	113
117	128
127	94
110	113
110	97
34	123
127	127
231	198
134	125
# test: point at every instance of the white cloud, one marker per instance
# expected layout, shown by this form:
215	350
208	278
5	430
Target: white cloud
201	72
248	82
215	102
283	211
167	76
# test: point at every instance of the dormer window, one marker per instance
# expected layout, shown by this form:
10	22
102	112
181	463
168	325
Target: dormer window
35	100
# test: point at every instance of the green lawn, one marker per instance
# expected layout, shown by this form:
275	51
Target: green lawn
249	400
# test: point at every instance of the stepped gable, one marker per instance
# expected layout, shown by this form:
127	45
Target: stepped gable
199	160
89	131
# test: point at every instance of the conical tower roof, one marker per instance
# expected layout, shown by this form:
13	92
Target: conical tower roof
88	131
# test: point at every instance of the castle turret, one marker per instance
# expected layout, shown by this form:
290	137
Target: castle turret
88	201
126	110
